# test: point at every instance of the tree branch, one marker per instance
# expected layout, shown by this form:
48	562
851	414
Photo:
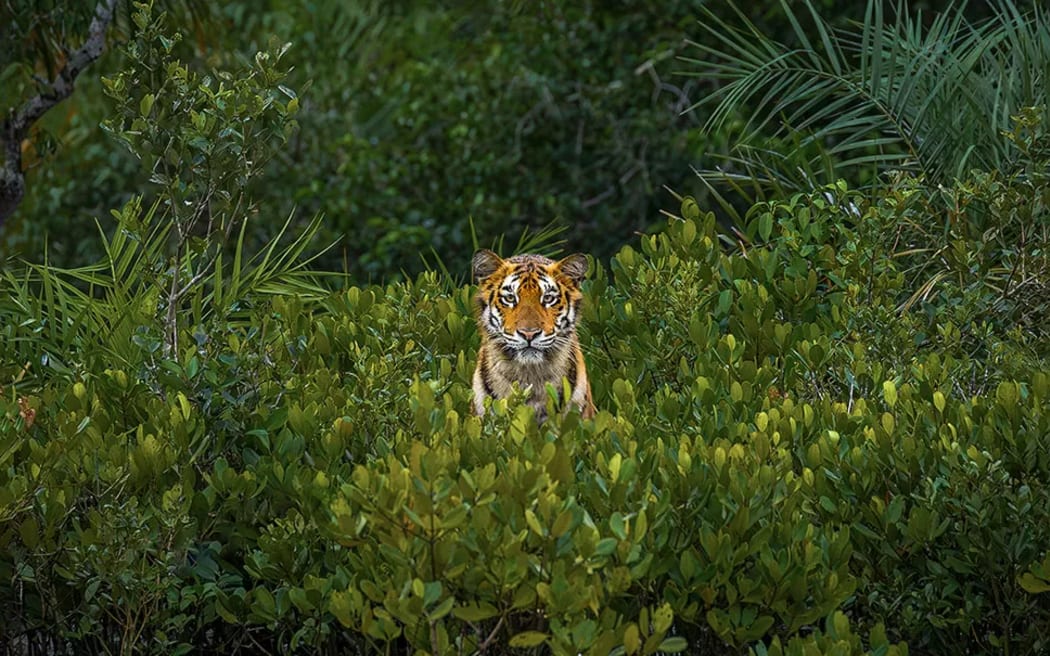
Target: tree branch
16	126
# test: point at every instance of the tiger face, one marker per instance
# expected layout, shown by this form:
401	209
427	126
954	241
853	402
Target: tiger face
528	304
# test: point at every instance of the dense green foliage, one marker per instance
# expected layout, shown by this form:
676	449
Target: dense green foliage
779	448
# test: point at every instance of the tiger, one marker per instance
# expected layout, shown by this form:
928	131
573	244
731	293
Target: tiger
527	309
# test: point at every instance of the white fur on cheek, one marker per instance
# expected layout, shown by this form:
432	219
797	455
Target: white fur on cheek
565	318
491	319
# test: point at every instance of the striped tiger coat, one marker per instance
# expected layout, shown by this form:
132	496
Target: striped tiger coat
527	309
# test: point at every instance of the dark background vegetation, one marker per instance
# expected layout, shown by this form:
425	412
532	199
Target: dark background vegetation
415	118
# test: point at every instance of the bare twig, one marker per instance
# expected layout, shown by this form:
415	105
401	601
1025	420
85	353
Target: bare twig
16	126
605	195
492	636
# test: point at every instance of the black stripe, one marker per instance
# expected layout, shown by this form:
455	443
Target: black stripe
571	375
485	384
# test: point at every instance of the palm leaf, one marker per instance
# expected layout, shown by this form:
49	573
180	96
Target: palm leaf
48	311
932	97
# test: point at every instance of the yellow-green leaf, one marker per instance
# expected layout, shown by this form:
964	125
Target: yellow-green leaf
889	392
475	612
888	423
632	642
340	605
1033	584
673	645
528	639
662	618
562	523
688	227
534	523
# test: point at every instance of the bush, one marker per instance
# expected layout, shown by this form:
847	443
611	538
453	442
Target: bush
779	449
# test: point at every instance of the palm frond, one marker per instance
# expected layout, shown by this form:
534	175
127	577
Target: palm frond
932	97
48	311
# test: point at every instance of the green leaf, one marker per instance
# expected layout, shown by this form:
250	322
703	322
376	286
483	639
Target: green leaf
224	612
431	592
938	401
894	511
632	641
889	392
534	523
765	226
442	609
524	597
299	598
888	423
91	589
340	605
528	639
562	523
1032	584
641	526
690	212
475	612
264	603
662	618
1006	393
688	227
29	530
674	645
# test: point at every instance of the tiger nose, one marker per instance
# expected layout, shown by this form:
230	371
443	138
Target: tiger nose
529	335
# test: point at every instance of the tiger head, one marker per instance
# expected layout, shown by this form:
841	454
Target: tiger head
527	305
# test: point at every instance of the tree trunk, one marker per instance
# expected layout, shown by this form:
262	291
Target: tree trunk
12	186
15	127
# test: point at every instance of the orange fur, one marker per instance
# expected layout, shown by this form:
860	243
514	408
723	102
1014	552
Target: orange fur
527	309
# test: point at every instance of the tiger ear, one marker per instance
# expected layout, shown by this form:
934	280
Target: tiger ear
574	267
484	264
